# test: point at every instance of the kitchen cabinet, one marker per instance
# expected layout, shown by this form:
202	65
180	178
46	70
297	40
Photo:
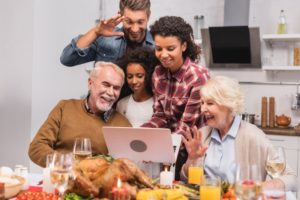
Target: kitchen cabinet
279	51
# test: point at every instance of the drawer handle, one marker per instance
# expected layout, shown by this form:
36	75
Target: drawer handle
278	140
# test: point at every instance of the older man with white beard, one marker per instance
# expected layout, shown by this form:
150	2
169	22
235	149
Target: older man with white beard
77	118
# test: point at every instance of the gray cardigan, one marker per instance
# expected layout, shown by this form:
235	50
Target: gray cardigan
251	145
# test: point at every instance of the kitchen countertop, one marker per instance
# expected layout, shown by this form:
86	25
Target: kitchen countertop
286	131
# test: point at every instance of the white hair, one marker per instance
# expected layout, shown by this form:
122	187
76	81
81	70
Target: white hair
224	91
100	64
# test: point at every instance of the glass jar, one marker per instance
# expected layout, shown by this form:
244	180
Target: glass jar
198	25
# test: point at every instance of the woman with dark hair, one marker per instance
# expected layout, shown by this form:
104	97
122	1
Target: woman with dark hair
177	80
138	66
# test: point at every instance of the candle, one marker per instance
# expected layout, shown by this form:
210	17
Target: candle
119	192
166	178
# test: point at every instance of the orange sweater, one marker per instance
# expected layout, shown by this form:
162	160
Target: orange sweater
67	121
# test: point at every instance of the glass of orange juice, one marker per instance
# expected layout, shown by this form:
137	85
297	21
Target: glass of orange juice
195	174
210	188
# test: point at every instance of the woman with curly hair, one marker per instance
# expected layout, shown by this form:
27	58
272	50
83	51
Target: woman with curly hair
177	80
138	66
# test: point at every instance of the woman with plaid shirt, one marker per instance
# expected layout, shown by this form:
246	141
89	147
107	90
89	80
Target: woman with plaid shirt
177	80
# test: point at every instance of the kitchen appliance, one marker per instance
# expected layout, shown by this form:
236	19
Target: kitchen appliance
296	102
296	99
231	47
248	117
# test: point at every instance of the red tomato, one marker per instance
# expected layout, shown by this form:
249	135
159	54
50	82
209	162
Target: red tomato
36	195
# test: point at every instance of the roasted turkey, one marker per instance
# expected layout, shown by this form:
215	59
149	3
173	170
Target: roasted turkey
95	177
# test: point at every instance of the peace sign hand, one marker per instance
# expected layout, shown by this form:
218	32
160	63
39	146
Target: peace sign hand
193	143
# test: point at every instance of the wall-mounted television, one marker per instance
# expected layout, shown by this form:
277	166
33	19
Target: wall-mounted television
231	47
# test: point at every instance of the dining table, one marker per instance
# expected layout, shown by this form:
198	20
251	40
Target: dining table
35	181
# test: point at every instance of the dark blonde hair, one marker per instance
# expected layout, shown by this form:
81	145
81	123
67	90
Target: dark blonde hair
135	5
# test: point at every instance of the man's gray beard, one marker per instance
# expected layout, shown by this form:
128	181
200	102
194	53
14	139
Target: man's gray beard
102	107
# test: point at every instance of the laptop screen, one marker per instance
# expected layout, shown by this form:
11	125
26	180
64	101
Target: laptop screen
142	144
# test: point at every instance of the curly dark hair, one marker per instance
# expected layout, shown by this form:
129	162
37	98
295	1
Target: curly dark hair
176	26
146	58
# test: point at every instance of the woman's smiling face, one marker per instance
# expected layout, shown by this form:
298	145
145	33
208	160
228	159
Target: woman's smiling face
216	115
169	50
136	75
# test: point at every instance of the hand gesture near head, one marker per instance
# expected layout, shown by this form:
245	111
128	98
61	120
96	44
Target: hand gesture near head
193	143
106	27
103	28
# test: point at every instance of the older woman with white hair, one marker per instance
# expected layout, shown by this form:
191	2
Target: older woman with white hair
227	140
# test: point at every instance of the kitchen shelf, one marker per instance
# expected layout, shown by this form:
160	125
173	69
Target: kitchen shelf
281	37
288	131
280	68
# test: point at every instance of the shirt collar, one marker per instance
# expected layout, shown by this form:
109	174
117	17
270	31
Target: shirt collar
149	38
232	131
181	72
104	116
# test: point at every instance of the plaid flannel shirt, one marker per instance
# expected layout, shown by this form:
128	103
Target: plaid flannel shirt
177	97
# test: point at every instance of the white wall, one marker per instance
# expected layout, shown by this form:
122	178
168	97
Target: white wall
32	80
55	24
16	53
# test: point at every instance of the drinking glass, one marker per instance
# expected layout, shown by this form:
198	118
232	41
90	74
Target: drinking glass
210	188
274	194
60	170
195	173
248	182
82	149
276	161
47	184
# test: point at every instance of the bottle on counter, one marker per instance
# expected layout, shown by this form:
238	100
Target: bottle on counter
281	29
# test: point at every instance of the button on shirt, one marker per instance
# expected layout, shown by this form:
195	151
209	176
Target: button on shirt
177	97
220	155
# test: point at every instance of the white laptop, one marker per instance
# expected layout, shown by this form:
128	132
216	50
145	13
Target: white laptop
142	144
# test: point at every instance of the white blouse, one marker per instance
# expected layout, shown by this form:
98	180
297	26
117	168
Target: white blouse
137	113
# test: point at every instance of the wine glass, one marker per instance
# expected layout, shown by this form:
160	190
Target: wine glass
248	182
276	161
82	149
60	170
